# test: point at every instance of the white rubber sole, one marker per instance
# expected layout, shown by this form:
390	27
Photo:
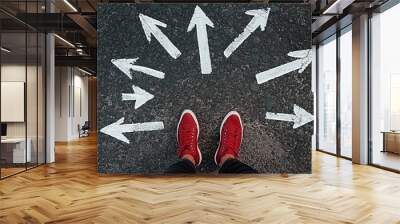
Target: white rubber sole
220	131
198	130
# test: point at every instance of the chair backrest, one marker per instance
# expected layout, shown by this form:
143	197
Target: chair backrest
86	125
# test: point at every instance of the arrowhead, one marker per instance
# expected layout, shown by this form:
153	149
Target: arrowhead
123	64
142	96
304	55
260	17
199	18
115	130
302	117
149	25
306	61
299	54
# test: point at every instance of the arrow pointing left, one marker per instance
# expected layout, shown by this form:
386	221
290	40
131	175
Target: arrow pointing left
299	118
118	129
150	27
141	96
127	65
201	21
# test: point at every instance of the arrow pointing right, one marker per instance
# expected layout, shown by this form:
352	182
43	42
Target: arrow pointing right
299	118
141	96
260	18
305	58
127	65
118	129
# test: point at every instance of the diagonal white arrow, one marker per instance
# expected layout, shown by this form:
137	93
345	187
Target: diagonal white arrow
305	58
260	18
299	118
118	129
201	21
150	27
141	96
127	65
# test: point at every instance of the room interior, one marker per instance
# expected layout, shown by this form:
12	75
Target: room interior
23	62
48	92
22	102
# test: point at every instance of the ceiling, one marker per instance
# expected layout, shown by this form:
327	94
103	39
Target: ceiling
75	21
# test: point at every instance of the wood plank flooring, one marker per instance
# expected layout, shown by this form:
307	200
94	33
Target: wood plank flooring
70	191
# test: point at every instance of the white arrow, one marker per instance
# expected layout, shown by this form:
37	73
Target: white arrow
299	118
305	58
118	129
127	65
201	21
150	27
140	95
260	18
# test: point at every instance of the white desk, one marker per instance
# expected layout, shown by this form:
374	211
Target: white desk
18	144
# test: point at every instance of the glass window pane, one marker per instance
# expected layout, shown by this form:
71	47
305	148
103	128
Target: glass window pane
31	97
22	89
41	98
385	89
327	96
13	88
346	93
314	84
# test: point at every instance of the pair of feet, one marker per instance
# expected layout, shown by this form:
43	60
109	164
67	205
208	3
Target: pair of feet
230	139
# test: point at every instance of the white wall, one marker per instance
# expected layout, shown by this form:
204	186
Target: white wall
33	127
71	102
61	103
14	73
80	112
17	73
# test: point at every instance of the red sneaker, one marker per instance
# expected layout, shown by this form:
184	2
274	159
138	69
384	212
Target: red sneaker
230	136
187	135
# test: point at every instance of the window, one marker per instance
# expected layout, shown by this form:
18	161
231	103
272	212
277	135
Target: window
346	75
385	89
22	101
327	95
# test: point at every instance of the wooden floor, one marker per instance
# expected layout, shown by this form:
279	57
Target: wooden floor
387	159
5	172
70	191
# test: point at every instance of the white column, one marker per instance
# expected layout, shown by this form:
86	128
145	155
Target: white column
50	92
360	90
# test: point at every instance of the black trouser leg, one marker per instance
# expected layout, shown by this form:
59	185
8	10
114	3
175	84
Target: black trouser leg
184	166
235	166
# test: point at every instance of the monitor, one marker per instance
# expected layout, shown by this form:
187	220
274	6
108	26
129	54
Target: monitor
3	129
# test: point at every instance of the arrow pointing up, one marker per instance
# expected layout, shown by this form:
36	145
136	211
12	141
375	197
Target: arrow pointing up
140	95
127	65
150	27
201	21
299	118
305	58
118	129
260	18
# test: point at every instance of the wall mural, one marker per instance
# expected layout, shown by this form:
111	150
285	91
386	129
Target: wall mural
156	60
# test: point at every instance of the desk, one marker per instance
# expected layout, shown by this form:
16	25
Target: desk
16	147
391	141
